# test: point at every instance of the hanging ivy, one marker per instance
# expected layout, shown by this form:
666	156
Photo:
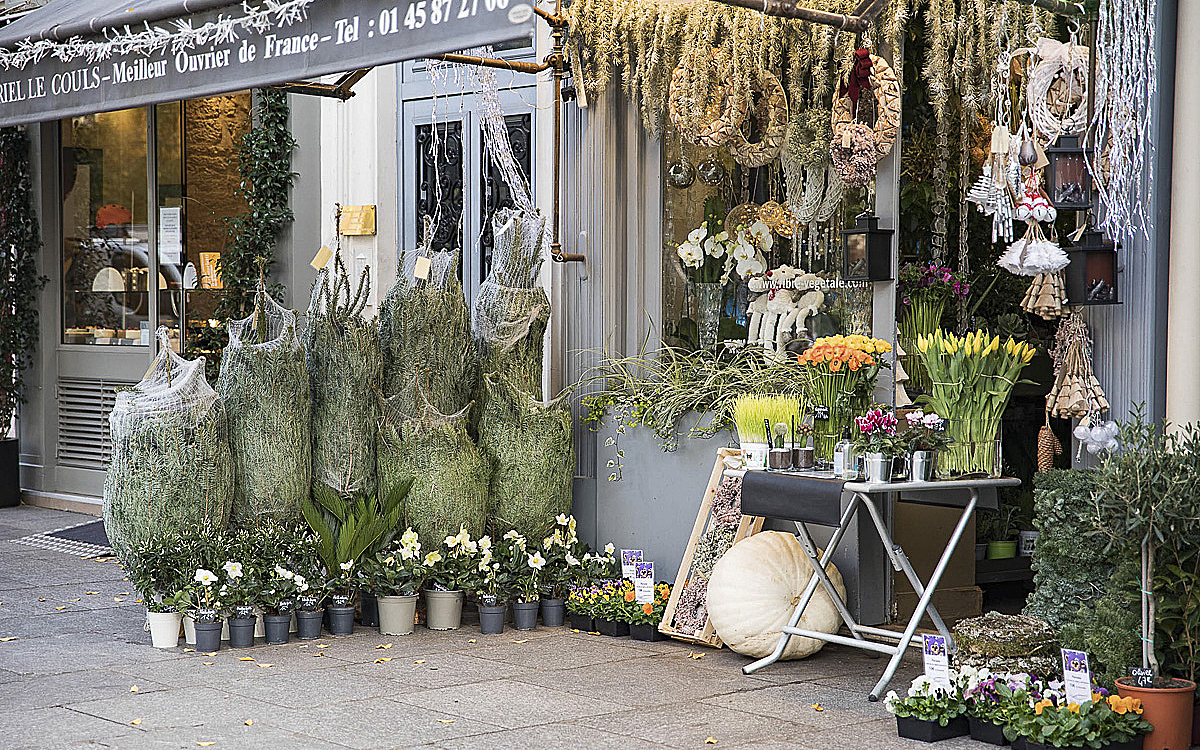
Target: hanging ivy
20	281
264	165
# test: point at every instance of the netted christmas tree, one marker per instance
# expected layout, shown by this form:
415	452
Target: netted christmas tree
264	385
171	470
449	474
341	348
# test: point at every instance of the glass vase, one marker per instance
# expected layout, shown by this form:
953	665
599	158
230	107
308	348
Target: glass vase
709	296
974	451
921	318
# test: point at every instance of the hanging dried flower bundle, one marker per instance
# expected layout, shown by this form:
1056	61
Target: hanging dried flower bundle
1076	392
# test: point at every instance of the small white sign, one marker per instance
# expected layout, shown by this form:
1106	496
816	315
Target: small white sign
643	583
937	661
170	235
1077	676
629	560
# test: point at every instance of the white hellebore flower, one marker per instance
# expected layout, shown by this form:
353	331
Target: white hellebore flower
205	577
464	537
697	235
572	560
409	539
232	569
346	565
513	534
450	541
536	561
609	548
284	573
433	557
485	544
561	519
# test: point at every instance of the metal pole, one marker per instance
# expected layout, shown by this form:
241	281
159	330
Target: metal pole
1057	7
785	9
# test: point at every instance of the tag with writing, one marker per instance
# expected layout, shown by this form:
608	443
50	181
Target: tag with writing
643	582
421	269
629	560
845	137
1077	676
937	661
820	412
1142	676
321	259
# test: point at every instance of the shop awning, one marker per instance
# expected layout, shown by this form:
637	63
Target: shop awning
74	57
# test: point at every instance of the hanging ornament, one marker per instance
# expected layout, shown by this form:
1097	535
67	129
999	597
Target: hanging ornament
1048	446
770	117
711	171
1046	296
1001	179
868	73
1033	254
681	174
741	215
701	103
1056	96
778	217
1076	393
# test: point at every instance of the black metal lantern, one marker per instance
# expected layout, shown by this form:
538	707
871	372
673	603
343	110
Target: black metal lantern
1068	182
867	250
1091	278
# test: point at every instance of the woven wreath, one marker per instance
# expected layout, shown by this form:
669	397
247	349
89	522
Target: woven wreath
713	121
1057	92
771	117
887	108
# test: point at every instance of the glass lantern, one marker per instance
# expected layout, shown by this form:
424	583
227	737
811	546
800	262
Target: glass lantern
1091	277
867	250
1068	181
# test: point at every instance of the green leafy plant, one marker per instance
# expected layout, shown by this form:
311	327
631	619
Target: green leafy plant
454	566
397	570
349	527
649	613
561	564
1092	724
20	245
159	571
523	567
927	701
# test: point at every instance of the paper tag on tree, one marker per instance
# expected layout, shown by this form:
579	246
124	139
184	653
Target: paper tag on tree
845	137
321	259
421	269
643	582
1077	676
629	560
937	661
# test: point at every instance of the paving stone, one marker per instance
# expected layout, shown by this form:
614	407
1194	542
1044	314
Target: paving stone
437	670
311	688
34	727
72	653
564	652
666	680
63	689
688	725
190	669
509	703
259	736
376	722
552	737
187	707
797	703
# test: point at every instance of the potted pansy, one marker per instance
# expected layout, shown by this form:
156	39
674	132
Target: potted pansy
277	594
1111	722
238	594
205	610
581	606
452	570
929	712
611	605
395	576
924	436
156	571
991	699
878	444
645	617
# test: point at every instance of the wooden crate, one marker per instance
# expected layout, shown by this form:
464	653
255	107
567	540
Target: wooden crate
749	526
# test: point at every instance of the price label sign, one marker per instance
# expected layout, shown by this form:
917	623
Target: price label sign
643	583
629	560
937	660
1143	677
820	412
1077	676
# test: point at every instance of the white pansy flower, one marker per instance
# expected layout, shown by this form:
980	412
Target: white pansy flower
205	577
232	569
536	561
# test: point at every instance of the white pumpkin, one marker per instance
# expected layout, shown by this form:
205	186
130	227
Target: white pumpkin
754	589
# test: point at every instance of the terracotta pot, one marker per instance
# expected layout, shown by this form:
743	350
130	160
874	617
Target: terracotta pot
1168	709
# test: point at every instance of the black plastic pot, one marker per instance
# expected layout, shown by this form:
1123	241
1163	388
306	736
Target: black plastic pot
553	613
931	731
645	632
583	622
986	731
208	636
308	623
612	627
1134	743
368	614
1019	743
10	473
241	632
491	618
341	620
277	627
525	615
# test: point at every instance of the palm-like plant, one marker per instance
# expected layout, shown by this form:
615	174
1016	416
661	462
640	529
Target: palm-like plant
351	526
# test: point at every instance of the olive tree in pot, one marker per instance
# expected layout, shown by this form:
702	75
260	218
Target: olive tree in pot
21	282
395	576
160	575
453	569
1145	501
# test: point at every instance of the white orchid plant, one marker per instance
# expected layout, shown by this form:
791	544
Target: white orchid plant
716	255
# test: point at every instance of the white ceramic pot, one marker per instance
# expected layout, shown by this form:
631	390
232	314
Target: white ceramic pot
755	455
164	629
189	630
443	609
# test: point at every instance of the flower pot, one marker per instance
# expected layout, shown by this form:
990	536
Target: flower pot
341	620
923	466
277	628
308	623
1018	743
612	627
241	632
525	615
583	622
709	296
755	454
368	612
553	613
1130	744
443	609
780	458
10	473
986	731
879	467
1196	725
397	614
259	627
164	629
645	632
1169	709
804	458
974	451
208	636
981	552
189	630
930	731
1026	541
491	618
1001	550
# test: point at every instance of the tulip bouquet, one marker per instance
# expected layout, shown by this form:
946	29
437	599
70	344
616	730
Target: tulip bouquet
840	372
972	378
924	289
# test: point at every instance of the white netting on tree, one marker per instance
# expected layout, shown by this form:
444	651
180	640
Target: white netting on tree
341	348
171	469
265	387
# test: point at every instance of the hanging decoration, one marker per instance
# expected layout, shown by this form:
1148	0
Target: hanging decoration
1046	296
856	148
1076	392
1056	95
1048	446
1126	87
707	113
1033	254
771	117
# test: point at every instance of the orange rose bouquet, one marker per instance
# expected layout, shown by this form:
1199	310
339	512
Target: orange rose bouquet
840	374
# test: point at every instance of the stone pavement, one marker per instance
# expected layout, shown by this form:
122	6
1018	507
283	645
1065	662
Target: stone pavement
72	651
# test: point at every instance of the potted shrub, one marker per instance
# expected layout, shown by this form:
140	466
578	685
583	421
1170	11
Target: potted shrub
644	618
491	590
452	570
340	611
929	712
395	577
1104	722
205	610
237	593
277	597
614	594
1000	530
1145	501
155	570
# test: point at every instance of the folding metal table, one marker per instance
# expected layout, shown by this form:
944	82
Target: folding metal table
879	500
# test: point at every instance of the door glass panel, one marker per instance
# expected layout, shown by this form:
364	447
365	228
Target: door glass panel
496	193
106	249
440	193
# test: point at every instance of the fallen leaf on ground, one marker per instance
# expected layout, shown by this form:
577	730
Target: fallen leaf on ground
135	722
818	707
133	689
694	655
419	661
8	638
469	640
189	651
575	630
205	744
318	654
122	593
209	663
91	593
383	659
384	645
210	653
76	599
265	664
102	559
593	632
320	645
118	599
41	598
523	640
245	658
60	608
137	601
249	722
710	740
445	721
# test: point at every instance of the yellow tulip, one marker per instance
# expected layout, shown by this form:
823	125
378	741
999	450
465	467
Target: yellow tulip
922	344
1028	356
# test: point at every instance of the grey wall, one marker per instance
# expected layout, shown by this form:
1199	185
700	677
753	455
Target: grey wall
302	239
